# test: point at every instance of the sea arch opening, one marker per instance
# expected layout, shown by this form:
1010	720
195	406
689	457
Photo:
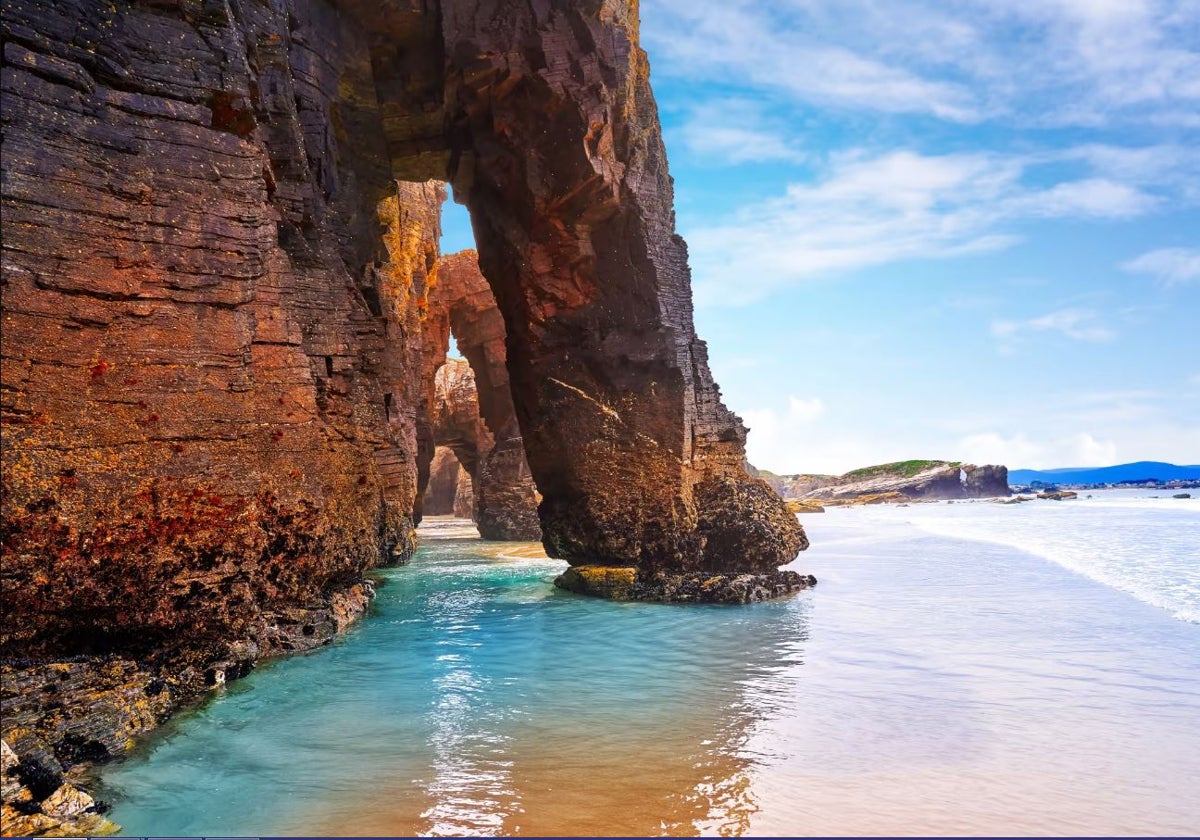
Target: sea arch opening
555	150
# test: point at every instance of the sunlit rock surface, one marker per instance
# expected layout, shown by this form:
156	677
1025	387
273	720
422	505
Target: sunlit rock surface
220	236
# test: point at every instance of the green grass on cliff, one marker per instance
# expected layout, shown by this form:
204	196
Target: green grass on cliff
900	468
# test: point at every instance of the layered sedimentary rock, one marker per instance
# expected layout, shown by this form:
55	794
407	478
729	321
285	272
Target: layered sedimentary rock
213	289
210	334
461	304
559	157
903	481
210	338
460	435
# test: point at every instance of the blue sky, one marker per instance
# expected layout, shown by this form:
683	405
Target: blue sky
961	229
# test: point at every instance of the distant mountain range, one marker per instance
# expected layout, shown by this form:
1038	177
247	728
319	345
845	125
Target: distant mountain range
1139	471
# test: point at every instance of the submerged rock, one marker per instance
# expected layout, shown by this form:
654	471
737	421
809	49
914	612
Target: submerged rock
625	583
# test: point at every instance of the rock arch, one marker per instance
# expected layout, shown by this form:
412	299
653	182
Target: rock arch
460	303
551	139
220	238
450	491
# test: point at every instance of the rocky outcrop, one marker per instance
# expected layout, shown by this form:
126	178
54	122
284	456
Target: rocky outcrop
985	482
234	284
621	583
564	172
39	802
210	336
213	294
210	286
902	481
1058	495
464	496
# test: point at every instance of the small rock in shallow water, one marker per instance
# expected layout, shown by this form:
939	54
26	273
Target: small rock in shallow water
624	583
68	801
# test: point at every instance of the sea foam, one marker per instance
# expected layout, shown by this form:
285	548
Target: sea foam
1139	542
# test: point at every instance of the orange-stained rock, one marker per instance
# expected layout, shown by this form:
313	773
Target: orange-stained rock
211	290
444	475
216	390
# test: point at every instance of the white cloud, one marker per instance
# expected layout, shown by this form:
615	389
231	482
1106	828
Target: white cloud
1078	324
736	131
1020	452
1098	197
762	44
1057	62
865	210
805	410
1172	266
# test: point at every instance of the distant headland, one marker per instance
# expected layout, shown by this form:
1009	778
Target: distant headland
1136	474
900	481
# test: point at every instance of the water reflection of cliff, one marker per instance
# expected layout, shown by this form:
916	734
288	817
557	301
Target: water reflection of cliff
564	716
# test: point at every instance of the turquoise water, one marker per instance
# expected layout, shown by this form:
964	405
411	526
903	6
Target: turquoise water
929	685
476	698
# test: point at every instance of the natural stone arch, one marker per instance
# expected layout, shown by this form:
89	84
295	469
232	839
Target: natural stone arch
451	490
565	176
551	139
460	304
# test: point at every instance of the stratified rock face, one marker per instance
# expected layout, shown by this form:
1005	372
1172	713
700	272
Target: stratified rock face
907	480
455	418
461	302
557	152
210	320
213	287
464	496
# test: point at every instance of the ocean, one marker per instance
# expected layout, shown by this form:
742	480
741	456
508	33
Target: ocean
967	668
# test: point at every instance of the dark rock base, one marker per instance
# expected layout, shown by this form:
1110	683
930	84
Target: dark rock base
61	717
625	583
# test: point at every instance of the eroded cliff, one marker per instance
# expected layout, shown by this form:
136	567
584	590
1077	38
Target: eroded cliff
901	481
214	289
211	287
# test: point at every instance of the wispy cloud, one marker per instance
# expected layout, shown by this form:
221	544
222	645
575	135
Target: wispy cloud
736	131
1057	62
767	44
865	210
776	435
1078	324
1022	452
1171	266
